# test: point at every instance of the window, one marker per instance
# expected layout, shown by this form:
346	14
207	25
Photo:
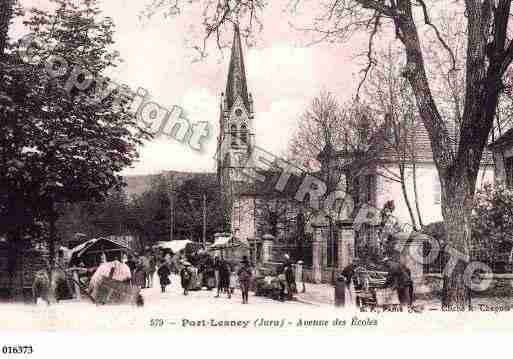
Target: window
508	167
436	191
370	188
233	130
244	133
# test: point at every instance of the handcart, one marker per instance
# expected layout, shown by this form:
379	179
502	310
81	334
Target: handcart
114	288
371	291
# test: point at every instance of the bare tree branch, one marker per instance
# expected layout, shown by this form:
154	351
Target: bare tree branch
371	60
428	22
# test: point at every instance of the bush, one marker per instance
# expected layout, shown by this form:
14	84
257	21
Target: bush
492	217
492	226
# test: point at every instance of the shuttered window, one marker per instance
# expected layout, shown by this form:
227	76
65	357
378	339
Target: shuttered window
437	192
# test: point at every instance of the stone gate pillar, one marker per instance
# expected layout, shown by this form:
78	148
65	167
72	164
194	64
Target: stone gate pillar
317	251
267	245
346	239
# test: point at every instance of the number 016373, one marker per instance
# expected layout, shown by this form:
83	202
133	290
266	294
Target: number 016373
17	349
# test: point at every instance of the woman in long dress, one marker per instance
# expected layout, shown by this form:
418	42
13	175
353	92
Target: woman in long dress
349	273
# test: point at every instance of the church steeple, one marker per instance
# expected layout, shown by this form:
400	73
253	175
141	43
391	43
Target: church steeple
236	84
235	142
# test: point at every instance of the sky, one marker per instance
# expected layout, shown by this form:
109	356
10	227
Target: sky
283	73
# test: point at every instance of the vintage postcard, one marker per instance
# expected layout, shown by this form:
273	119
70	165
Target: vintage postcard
230	166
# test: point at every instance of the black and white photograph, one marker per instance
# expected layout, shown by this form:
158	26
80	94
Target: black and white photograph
236	166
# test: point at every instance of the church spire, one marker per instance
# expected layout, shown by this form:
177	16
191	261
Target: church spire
236	84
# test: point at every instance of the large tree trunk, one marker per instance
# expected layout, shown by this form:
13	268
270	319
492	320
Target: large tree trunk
457	209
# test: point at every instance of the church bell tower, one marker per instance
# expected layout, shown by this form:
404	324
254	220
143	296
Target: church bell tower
236	131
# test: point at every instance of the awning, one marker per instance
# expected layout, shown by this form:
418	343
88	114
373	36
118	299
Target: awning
79	250
175	246
226	242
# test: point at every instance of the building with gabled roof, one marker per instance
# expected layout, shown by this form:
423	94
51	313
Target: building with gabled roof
502	149
372	177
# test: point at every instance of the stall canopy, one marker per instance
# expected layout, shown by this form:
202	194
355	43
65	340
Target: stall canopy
175	246
226	242
90	252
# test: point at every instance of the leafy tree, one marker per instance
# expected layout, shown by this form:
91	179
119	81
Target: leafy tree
6	15
190	197
57	145
93	219
150	212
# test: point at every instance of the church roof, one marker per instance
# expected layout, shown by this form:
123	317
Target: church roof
237	84
420	142
268	187
504	140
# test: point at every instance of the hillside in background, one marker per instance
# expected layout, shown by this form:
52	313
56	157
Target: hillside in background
138	184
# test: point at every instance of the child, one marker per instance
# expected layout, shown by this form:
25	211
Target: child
185	275
163	274
233	281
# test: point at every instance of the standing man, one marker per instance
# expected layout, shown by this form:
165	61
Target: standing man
164	273
244	274
131	264
224	278
345	293
216	268
290	279
284	275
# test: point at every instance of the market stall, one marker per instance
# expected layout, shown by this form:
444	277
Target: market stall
90	252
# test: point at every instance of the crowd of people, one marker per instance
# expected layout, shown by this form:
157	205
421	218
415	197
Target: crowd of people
219	271
204	271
